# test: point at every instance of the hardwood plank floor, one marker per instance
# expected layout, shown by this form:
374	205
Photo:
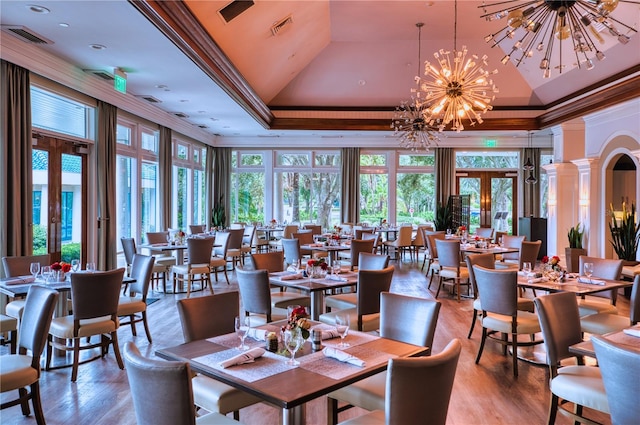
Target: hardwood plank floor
486	393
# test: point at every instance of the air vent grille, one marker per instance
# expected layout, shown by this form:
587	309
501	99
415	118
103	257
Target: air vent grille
181	115
100	73
203	126
148	98
25	34
282	25
233	9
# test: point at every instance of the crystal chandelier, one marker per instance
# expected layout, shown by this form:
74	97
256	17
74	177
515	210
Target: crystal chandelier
456	88
409	124
542	25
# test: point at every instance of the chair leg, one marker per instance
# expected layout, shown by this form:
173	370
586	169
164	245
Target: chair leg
473	323
514	354
37	404
116	348
439	286
146	326
553	409
24	404
47	363
332	411
76	359
482	341
132	319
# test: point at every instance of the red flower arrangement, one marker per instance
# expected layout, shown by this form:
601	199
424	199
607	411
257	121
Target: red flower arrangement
65	267
298	319
553	262
315	262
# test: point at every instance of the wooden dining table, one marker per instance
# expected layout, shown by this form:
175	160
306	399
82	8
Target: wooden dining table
166	247
572	285
585	348
332	250
287	387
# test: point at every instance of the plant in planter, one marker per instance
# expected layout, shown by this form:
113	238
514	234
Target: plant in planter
218	214
625	232
575	250
443	217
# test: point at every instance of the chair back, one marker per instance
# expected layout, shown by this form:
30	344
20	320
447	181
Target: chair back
193	311
194	229
141	271
235	238
254	291
604	268
420	236
272	261
408	319
221	243
316	229
35	322
366	235
359	231
199	250
291	248
129	248
529	252
431	242
304	237
358	246
408	400
152	380
484	232
157	237
485	260
498	289
20	265
634	301
449	253
288	230
512	241
369	261
404	236
620	368
249	235
96	294
370	284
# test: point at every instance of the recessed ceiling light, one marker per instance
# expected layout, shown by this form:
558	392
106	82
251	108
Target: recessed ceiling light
362	82
97	46
161	86
184	100
202	112
37	9
63	25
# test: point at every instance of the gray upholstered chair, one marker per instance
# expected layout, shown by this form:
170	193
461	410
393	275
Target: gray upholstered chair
291	249
485	233
408	400
20	266
512	241
22	369
159	272
500	314
197	267
247	240
235	255
195	229
452	268
218	261
402	318
134	306
152	381
210	394
257	297
529	253
579	385
365	316
488	261
95	312
603	268
272	261
602	323
433	267
620	369
357	246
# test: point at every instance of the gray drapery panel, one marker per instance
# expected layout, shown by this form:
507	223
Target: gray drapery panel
16	204
222	178
209	184
106	179
530	192
350	203
164	185
445	166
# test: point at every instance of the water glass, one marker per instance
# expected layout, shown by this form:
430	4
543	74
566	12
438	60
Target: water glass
526	268
292	341
91	267
34	268
75	265
242	328
46	273
342	327
588	270
336	268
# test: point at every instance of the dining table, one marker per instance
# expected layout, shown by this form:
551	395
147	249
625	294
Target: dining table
470	248
627	337
270	378
316	288
332	250
167	247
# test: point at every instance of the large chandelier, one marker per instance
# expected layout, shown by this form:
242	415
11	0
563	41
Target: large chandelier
409	123
457	88
542	25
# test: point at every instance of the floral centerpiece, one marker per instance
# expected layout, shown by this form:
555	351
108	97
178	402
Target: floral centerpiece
273	223
59	269
461	230
298	320
552	268
179	236
317	267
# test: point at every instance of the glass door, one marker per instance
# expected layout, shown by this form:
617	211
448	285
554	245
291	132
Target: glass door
59	199
493	196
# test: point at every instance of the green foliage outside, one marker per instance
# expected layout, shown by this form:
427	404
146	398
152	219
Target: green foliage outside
70	250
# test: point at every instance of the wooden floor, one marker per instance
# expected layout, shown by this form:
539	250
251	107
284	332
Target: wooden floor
486	393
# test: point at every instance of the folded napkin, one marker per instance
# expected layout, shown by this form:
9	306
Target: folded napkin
591	281
632	331
537	280
336	278
291	276
316	245
334	353
292	269
257	334
246	357
19	280
329	334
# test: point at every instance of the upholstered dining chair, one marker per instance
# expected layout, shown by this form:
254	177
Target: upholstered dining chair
247	240
20	266
512	241
9	327
287	231
357	246
407	399
257	298
603	268
272	261
95	312
581	385
499	292
452	268
198	265
218	261
210	394
195	229
620	369
401	244
235	255
291	249
22	369
529	253
304	237
603	323
402	318
485	233
366	314
315	229
153	381
433	266
134	306
159	271
162	257
367	261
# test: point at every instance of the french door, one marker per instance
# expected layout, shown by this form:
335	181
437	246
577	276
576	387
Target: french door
493	199
59	199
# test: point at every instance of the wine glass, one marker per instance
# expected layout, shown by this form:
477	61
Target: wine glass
242	328
34	268
293	341
91	267
342	327
588	270
46	273
526	268
75	265
335	268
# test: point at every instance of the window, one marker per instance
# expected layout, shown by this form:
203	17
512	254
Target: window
50	111
415	193
248	183
66	223
37	205
374	188
188	185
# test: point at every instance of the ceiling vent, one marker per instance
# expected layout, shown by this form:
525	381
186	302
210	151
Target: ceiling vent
25	34
181	115
233	9
282	25
203	126
148	98
100	73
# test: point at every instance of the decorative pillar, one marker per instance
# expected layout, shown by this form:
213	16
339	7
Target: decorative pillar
562	205
589	202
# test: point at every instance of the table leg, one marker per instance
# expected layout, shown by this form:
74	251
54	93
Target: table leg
294	416
60	310
317	304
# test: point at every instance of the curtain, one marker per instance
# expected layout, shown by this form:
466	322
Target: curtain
209	169
531	192
165	172
222	179
350	203
445	166
16	204
106	179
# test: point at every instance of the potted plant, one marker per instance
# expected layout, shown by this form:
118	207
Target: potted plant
625	233
442	220
575	250
218	214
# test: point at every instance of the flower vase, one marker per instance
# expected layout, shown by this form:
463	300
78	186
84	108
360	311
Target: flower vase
59	276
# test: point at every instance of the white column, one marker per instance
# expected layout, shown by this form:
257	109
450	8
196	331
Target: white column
562	205
589	201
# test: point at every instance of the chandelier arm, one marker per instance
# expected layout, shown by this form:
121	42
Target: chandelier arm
618	22
517	6
577	43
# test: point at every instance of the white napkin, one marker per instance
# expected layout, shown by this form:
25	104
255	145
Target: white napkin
537	280
292	269
246	357
334	353
19	280
635	331
336	278
592	281
257	334
329	334
291	276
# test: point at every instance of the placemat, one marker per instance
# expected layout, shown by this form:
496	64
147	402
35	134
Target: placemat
336	369
268	365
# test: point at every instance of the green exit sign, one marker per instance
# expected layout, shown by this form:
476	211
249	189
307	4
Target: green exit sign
490	143
120	82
